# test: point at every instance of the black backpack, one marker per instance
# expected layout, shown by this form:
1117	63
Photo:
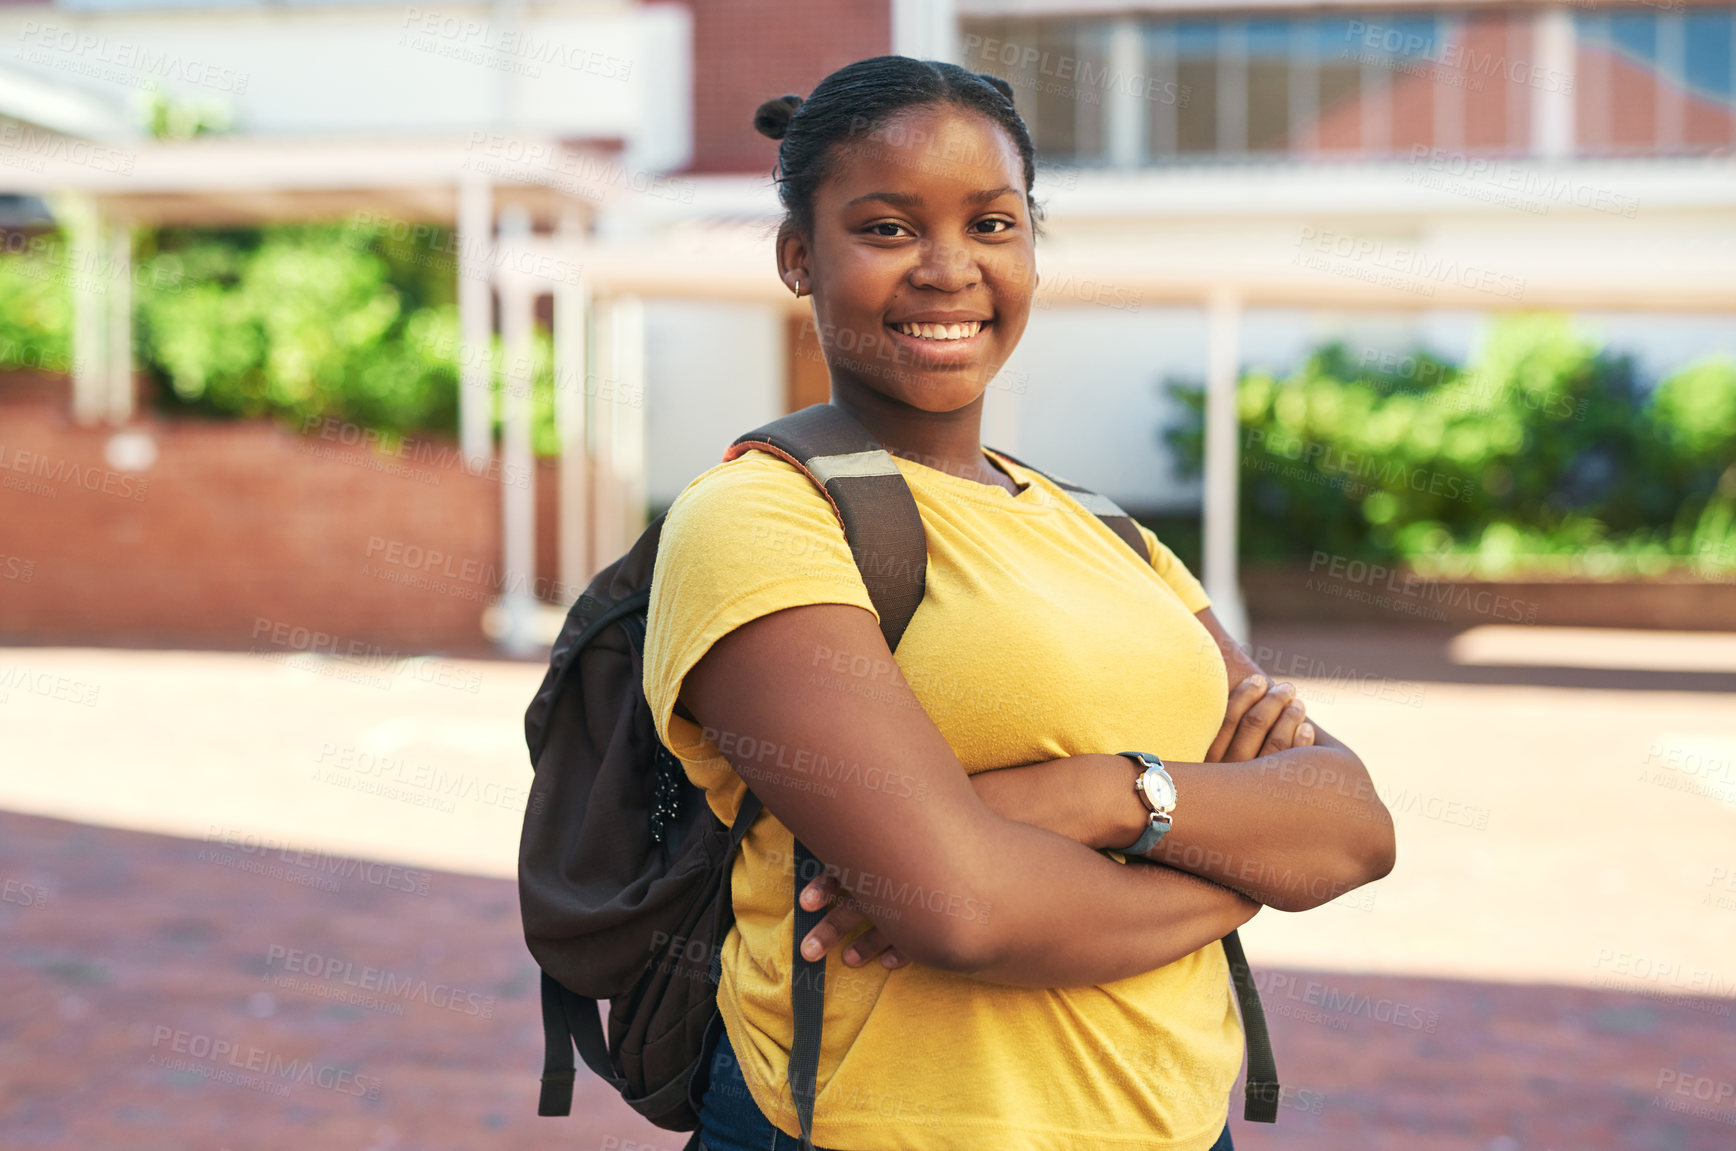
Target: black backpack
623	869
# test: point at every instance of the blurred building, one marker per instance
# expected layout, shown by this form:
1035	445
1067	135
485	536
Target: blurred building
1456	159
1226	186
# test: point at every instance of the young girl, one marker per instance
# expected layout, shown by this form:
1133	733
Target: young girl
1002	982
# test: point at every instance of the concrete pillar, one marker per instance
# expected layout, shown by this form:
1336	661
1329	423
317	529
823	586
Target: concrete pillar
628	353
618	427
518	462
1124	105
475	319
119	286
1552	102
606	527
78	219
1223	460
572	397
925	29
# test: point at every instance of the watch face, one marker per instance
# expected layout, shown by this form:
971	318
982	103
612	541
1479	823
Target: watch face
1159	788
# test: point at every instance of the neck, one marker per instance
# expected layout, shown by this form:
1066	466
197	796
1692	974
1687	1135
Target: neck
946	441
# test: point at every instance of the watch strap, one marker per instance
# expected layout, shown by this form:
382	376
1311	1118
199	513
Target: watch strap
1155	829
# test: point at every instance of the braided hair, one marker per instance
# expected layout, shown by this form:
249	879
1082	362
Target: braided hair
856	101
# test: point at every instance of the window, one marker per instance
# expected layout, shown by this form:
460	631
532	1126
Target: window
1338	71
1060	78
1269	115
1647	81
1656	83
1197	57
1708	91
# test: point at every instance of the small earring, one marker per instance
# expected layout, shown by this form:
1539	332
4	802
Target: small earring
798	289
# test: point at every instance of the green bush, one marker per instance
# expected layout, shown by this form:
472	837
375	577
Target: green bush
339	320
35	308
1543	455
296	322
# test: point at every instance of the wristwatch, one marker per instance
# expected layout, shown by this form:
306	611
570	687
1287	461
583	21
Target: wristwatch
1156	790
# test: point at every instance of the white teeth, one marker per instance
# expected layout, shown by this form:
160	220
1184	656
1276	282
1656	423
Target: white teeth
942	331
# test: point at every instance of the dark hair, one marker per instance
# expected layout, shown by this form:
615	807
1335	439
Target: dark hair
857	99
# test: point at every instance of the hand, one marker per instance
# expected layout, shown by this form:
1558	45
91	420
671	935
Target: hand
1259	720
844	918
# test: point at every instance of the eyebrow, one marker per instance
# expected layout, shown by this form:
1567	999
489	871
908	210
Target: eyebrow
911	200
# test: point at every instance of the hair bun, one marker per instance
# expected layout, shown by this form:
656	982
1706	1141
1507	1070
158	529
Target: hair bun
773	117
997	84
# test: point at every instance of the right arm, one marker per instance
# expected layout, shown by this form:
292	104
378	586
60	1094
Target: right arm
1000	900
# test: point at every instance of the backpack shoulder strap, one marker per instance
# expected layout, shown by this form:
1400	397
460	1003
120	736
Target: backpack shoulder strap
1098	505
1262	1093
883	527
861	480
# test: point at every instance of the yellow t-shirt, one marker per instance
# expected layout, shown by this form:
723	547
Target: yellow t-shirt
1040	636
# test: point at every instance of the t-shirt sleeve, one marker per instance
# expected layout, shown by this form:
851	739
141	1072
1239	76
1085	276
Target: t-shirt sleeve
746	539
1175	573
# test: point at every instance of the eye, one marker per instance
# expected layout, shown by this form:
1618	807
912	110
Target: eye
993	225
887	229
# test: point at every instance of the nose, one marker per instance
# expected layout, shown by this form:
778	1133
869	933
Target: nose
945	267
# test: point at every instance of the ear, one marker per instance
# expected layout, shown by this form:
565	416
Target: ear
794	263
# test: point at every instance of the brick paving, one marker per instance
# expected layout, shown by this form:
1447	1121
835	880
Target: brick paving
163	991
142	944
140	937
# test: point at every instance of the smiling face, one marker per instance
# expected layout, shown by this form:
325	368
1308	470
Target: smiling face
921	261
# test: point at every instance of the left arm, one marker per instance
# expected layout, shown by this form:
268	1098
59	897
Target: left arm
1280	811
1292	829
1285	813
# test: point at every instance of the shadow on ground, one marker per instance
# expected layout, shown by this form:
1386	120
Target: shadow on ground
171	993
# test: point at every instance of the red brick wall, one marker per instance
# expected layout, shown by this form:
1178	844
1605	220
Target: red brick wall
747	51
236	523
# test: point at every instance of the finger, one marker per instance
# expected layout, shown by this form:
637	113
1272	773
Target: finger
1305	735
819	891
871	944
1255	725
1244	696
1282	737
839	922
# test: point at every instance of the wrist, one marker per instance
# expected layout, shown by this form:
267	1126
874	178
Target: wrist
1124	817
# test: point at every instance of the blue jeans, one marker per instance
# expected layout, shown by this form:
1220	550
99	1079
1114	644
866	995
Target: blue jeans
729	1119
